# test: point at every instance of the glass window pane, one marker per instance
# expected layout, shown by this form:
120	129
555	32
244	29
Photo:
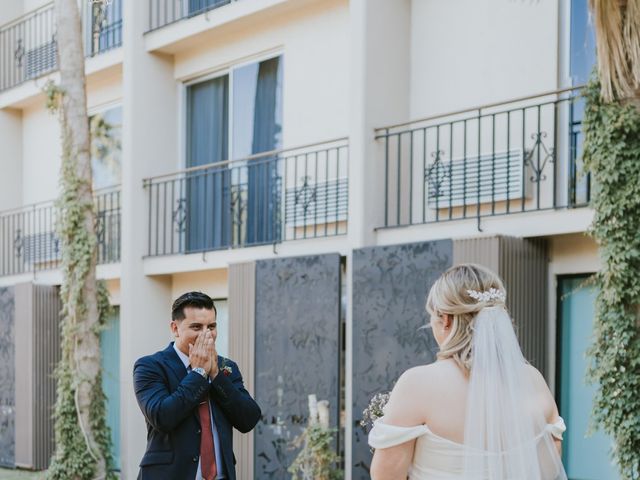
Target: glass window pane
583	48
106	148
257	107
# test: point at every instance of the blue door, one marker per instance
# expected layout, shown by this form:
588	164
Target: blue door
584	458
110	346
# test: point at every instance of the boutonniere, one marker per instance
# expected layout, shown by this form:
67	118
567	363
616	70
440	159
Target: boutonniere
226	370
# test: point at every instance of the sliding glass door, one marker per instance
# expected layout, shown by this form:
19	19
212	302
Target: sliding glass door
234	116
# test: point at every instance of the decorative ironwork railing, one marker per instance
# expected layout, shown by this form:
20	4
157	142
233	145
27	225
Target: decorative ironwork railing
28	45
262	199
29	242
166	12
517	156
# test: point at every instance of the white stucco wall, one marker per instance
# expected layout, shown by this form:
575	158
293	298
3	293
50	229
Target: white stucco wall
41	139
10	157
104	89
211	282
471	52
29	5
11	9
41	153
572	254
314	42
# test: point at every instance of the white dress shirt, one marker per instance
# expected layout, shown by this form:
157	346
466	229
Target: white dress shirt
216	439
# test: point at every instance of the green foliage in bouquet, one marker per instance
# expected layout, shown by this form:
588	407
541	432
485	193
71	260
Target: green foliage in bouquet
612	156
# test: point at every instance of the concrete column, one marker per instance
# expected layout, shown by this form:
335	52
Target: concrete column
379	95
11	158
150	133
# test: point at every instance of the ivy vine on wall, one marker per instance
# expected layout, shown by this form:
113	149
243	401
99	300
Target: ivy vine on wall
612	156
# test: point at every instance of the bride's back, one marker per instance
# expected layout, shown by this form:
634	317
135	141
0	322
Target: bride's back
439	398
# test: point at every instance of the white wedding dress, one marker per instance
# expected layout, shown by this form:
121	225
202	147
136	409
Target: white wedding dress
506	436
437	458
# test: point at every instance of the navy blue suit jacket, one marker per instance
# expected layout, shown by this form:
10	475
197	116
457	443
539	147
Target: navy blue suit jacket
169	396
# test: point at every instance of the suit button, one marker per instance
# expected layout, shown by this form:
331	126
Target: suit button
195	459
199	432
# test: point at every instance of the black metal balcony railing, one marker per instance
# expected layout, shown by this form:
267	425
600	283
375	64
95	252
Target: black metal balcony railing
28	239
166	12
263	199
518	156
102	27
28	46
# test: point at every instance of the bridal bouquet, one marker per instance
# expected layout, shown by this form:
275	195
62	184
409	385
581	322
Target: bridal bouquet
374	410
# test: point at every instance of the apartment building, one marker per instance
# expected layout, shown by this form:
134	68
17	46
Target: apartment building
313	165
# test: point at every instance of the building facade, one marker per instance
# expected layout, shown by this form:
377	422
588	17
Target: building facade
313	165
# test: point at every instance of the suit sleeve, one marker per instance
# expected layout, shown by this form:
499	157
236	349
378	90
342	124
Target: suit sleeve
241	410
162	409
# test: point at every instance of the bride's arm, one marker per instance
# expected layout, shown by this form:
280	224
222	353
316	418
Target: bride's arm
392	463
402	410
547	403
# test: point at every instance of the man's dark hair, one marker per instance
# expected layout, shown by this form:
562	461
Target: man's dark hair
191	299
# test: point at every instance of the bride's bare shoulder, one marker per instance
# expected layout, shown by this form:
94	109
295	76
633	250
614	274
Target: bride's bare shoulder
429	375
410	396
544	395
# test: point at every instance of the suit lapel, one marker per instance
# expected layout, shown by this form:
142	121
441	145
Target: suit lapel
174	363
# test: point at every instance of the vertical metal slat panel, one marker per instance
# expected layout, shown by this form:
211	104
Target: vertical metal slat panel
46	341
242	297
483	251
24	382
523	267
522	264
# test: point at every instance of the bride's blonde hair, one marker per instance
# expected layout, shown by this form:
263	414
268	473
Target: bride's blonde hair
450	295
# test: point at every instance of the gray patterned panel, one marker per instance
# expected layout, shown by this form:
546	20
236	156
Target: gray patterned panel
390	286
7	378
297	352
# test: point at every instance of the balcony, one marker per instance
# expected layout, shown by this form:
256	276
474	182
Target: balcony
512	157
263	199
29	242
166	12
28	47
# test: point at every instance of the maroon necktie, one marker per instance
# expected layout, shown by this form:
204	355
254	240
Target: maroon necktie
207	452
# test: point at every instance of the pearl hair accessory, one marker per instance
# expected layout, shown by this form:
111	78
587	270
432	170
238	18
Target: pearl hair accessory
491	294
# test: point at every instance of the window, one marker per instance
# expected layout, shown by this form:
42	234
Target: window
106	148
582	59
233	116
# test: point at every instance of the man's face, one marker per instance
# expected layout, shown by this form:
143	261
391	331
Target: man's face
196	320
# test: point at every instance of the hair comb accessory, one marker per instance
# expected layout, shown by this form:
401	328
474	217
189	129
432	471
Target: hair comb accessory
488	296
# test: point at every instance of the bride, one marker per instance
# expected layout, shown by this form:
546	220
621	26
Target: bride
480	412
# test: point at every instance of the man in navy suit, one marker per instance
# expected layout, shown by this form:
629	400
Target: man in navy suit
191	399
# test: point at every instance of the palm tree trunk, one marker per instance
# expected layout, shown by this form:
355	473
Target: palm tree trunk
617	29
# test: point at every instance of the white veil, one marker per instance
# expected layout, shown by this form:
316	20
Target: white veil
506	434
